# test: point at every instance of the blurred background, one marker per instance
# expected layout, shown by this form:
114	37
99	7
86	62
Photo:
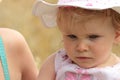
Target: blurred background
17	14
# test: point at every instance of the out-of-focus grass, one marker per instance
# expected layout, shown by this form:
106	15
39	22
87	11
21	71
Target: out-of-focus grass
17	14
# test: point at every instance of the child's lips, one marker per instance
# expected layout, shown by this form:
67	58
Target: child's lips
84	58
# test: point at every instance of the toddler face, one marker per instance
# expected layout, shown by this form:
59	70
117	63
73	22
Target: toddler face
89	43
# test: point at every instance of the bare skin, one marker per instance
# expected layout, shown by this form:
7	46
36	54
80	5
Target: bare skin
20	60
47	71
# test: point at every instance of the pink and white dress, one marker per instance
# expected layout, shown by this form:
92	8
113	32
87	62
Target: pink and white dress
67	70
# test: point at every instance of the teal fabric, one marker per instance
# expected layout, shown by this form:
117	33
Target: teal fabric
4	60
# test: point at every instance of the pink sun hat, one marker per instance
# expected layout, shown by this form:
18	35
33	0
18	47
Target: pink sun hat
47	11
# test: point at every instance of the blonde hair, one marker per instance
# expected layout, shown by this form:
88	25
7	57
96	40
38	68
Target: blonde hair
68	16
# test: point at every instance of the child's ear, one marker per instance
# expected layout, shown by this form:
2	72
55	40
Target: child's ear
117	36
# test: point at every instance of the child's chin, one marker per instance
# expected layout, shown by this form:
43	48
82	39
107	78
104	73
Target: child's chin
87	66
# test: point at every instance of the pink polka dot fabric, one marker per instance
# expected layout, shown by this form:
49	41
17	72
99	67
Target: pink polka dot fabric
67	70
91	4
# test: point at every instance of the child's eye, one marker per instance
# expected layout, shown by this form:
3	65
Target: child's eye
72	36
93	37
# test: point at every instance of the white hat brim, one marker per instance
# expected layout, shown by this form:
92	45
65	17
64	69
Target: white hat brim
47	11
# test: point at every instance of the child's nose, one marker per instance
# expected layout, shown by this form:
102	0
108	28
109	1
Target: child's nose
82	46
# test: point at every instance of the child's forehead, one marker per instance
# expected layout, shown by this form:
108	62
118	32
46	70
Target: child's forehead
77	21
92	25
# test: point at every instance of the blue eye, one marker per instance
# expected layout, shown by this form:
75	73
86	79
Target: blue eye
93	37
72	36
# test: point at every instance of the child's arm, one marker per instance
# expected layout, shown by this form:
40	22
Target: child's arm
47	71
